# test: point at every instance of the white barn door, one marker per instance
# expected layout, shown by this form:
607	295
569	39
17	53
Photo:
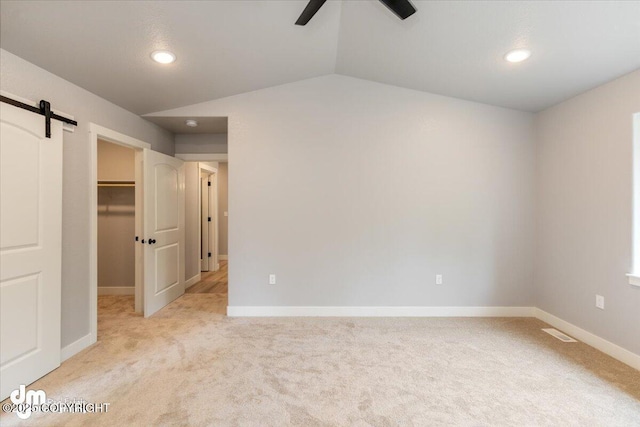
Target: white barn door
163	237
30	247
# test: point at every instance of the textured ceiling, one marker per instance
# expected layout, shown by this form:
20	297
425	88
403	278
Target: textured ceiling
456	48
453	48
223	47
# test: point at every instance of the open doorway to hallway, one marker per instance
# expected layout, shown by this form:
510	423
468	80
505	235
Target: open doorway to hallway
213	282
213	236
202	143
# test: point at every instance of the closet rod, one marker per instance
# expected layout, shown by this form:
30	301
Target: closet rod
44	110
116	183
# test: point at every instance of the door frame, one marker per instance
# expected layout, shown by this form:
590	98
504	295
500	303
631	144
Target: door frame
99	132
204	234
212	172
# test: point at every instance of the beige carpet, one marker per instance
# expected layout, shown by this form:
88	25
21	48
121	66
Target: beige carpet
189	365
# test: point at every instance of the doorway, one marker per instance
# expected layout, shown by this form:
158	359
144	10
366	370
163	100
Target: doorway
115	197
213	278
116	187
159	227
208	218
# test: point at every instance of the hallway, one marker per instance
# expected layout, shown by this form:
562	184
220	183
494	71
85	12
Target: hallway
212	282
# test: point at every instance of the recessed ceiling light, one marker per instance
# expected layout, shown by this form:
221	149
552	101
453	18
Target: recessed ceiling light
517	55
191	123
163	56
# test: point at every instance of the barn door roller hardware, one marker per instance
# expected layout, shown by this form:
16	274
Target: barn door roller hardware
43	110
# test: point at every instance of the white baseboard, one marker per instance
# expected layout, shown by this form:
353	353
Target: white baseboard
328	311
116	290
76	347
223	257
195	279
607	347
613	350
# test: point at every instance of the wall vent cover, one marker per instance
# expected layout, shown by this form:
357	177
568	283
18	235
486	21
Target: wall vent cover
556	333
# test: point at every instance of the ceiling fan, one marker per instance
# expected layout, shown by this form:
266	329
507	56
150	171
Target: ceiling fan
402	8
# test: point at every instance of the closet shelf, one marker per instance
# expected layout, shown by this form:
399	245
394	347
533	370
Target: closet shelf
116	183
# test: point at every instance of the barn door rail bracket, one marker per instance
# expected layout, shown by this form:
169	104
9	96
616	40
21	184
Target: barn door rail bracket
43	110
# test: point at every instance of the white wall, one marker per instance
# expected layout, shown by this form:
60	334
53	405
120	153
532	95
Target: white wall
201	143
584	211
357	193
24	79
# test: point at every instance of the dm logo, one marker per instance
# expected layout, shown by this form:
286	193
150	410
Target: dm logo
25	400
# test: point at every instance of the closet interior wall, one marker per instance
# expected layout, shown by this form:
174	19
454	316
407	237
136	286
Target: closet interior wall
116	219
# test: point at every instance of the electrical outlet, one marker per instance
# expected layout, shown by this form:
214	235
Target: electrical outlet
272	279
438	279
600	302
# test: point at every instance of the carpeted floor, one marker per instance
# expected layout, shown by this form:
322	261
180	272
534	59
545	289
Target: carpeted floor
190	365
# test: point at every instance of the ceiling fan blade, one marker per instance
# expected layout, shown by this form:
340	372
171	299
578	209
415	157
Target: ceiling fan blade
402	8
312	7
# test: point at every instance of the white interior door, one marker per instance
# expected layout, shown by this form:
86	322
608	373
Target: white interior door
163	237
30	247
205	224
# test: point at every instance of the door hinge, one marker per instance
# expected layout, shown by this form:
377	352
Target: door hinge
137	238
208	183
209	219
209	254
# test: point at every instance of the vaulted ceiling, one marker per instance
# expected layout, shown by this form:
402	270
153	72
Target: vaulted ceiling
223	48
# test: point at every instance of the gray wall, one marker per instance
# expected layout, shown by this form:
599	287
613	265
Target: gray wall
223	206
357	194
201	143
116	230
24	79
584	211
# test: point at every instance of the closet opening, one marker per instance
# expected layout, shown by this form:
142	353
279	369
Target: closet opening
116	224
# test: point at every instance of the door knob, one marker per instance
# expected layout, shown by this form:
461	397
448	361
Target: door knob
152	241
